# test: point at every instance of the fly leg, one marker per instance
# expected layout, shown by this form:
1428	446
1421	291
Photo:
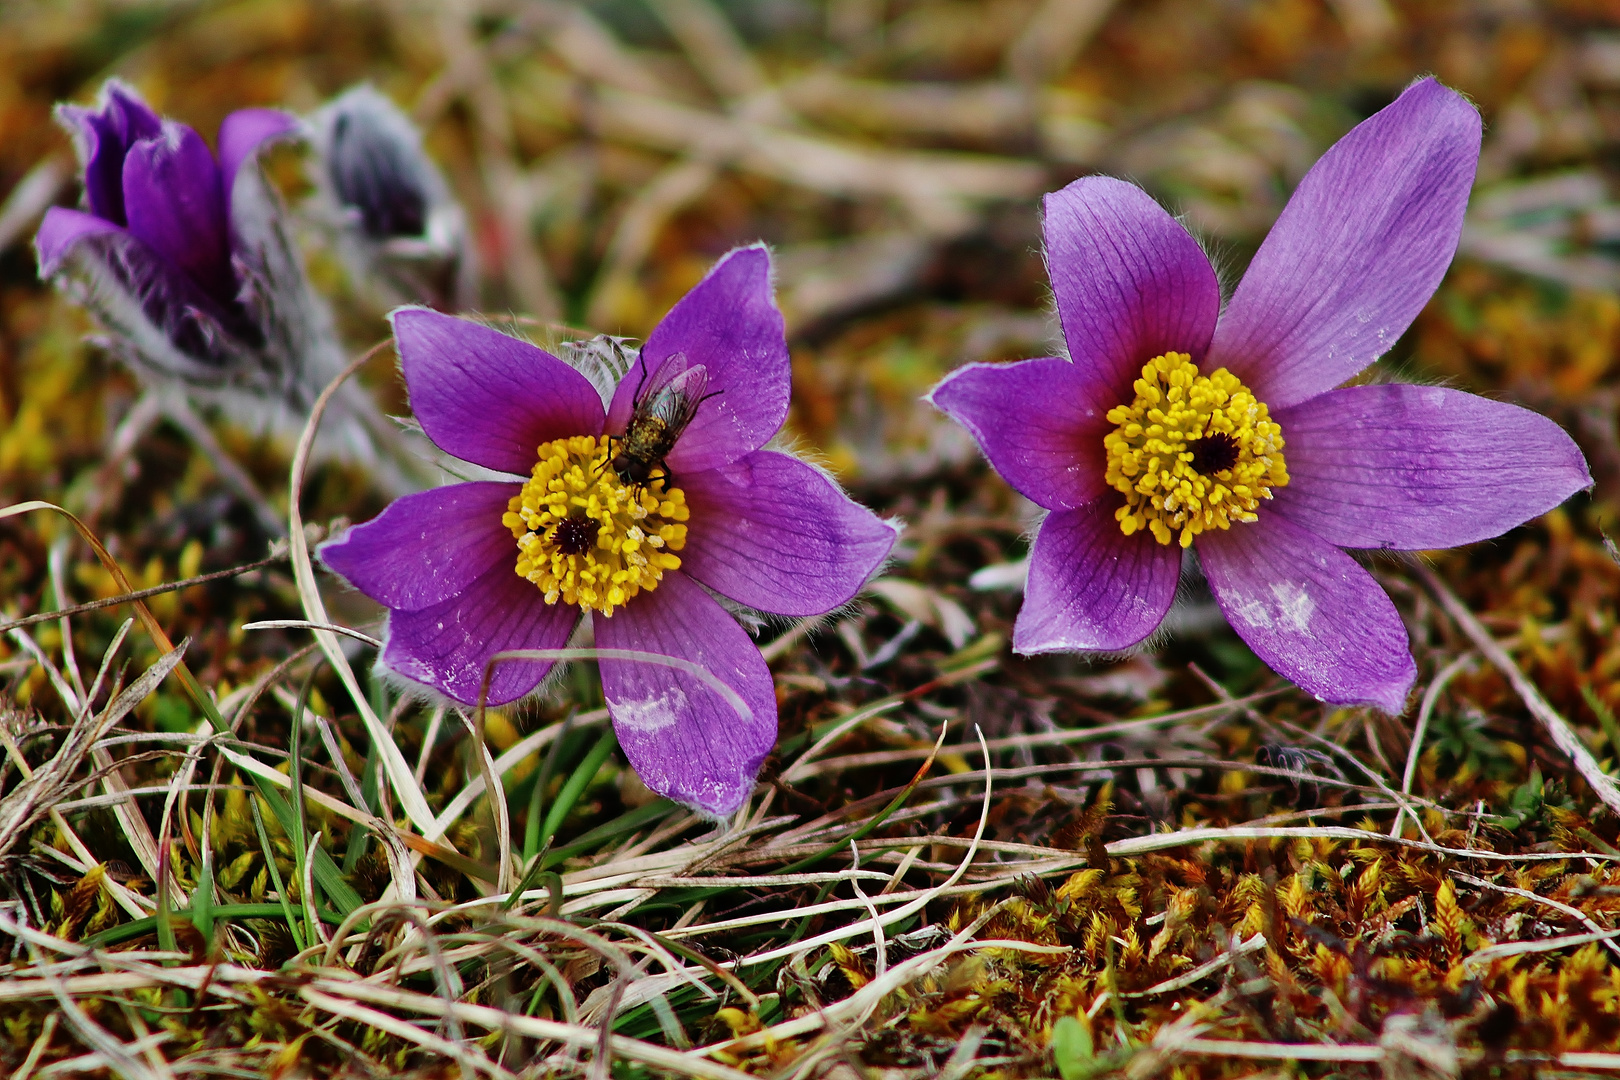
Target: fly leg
606	458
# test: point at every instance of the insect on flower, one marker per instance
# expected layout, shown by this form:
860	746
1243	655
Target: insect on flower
587	523
658	415
1176	424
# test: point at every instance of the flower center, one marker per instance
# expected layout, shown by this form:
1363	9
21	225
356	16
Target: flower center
1192	452
586	538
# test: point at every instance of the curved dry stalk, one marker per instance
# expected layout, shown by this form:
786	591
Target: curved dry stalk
1563	736
638	656
382	1021
145	594
305	624
1431	696
510	758
497	799
1041	738
1557	905
399	773
1138	845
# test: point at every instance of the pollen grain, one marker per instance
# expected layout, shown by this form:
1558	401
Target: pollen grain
1192	452
586	538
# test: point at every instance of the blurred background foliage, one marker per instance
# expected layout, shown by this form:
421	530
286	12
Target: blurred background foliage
893	153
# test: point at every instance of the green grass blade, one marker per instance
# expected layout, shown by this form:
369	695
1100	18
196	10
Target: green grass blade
359	837
295	771
575	787
531	824
627	822
202	899
275	879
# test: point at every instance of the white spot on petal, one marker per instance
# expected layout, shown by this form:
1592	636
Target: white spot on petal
1294	606
653	714
1253	611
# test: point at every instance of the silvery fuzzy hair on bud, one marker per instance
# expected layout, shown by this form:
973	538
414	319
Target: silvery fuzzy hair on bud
399	230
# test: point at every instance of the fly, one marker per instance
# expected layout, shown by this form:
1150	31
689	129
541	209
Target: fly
658	415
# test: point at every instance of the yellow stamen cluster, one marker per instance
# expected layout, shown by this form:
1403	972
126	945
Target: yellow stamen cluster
586	538
1192	452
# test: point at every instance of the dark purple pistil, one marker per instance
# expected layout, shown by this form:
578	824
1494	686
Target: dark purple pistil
1213	453
575	536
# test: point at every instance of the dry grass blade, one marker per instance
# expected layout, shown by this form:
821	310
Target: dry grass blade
1573	912
1161	841
44	787
1203	971
1054	35
382	1021
1563	736
398	770
305	624
144	594
817	163
859	1005
335	994
713	45
1425	710
1167	862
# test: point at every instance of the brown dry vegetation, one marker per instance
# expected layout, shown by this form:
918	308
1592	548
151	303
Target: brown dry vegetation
1166	864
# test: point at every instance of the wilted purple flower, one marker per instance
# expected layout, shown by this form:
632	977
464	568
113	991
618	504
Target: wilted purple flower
399	228
1174	423
182	254
474	569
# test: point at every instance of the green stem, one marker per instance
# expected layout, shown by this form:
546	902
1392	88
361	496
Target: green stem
275	878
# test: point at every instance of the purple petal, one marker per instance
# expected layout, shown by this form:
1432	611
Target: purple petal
773	533
1310	611
1416	467
730	324
1040	422
144	299
1091	587
240	136
103	136
172	196
1131	284
447	646
684	740
427	547
61	230
1357	252
486	397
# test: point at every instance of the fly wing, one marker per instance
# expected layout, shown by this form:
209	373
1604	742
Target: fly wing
676	401
652	383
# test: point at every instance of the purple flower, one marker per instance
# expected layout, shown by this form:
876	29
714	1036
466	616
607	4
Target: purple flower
474	569
1175	423
182	254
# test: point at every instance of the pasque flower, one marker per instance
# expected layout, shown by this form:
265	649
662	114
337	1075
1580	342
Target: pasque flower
182	252
399	229
474	569
1173	423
